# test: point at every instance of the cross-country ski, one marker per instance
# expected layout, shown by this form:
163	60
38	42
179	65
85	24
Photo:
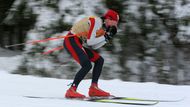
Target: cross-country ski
112	100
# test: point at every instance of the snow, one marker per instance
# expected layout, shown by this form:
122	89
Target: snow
47	16
182	10
84	6
14	87
9	60
9	64
133	66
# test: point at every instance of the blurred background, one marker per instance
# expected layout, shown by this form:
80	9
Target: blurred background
152	45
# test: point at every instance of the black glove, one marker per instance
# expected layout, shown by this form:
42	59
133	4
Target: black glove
110	32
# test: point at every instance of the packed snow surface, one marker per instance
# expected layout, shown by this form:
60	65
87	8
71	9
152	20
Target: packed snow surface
14	87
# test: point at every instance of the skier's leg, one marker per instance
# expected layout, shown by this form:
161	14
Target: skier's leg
94	90
86	66
98	64
71	92
74	47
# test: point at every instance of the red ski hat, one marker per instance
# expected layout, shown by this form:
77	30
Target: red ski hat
111	14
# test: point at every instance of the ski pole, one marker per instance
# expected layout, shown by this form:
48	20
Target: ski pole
45	40
52	50
37	41
19	44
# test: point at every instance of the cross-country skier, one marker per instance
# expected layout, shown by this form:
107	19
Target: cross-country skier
91	33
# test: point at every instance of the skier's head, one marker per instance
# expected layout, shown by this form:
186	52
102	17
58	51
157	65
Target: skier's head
111	18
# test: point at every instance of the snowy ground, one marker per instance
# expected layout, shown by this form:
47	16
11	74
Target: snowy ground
8	53
9	64
14	87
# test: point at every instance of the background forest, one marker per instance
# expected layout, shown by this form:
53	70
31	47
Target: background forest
153	42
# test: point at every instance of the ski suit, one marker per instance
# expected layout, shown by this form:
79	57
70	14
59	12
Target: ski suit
82	47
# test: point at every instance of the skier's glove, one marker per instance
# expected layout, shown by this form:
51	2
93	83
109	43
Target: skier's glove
113	30
110	32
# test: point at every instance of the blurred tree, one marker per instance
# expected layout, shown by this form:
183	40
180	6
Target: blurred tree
49	23
18	21
5	5
151	35
152	42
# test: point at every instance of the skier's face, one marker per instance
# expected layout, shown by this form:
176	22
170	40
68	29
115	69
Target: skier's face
110	22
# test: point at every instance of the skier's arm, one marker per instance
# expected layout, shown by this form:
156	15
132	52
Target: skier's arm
93	39
111	31
99	45
108	35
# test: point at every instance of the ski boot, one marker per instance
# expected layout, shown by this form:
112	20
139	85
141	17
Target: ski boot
94	91
72	93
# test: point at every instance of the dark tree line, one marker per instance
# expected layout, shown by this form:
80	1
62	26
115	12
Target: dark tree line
14	23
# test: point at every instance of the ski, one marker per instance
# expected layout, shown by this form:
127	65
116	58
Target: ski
113	100
117	100
112	97
121	102
141	99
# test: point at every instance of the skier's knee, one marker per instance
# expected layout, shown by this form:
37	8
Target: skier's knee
100	60
87	65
